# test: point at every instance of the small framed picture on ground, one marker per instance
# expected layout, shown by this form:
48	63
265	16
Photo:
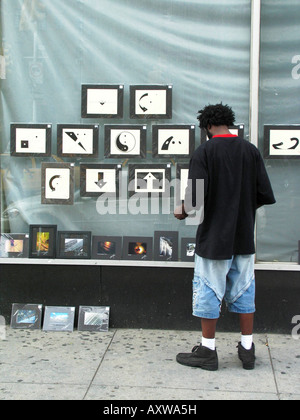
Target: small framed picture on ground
137	248
107	248
74	245
166	246
42	241
14	245
93	318
26	316
59	318
188	248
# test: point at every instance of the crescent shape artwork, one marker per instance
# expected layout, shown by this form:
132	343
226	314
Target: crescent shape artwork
126	142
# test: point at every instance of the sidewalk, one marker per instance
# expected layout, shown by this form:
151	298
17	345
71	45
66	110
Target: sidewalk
140	365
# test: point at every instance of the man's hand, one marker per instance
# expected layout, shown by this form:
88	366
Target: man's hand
180	213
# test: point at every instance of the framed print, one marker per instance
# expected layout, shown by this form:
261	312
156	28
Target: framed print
107	248
42	241
30	140
151	101
173	140
149	179
74	245
59	318
58	183
188	248
165	246
77	140
182	176
26	316
236	130
97	179
13	245
137	248
125	141
282	141
93	318
102	101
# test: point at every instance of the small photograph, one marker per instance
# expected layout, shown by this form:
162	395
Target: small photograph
93	318
77	140
59	318
58	183
31	140
102	101
107	248
166	246
282	141
14	245
188	249
173	140
42	241
74	245
125	141
137	248
151	101
26	316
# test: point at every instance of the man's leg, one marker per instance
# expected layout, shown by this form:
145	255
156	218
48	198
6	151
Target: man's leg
246	323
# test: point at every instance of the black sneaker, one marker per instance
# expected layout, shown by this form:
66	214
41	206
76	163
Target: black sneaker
201	357
247	356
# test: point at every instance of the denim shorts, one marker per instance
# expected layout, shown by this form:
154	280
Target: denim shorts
232	280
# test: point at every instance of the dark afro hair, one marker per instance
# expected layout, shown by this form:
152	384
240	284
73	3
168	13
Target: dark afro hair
216	115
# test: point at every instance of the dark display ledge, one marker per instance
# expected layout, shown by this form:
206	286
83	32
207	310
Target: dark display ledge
144	297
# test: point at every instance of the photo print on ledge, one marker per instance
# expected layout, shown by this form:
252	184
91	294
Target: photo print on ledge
137	248
173	141
102	101
42	241
107	248
282	141
165	246
14	245
125	141
30	140
77	140
74	245
151	101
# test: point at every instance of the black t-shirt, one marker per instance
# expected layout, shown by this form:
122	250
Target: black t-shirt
236	183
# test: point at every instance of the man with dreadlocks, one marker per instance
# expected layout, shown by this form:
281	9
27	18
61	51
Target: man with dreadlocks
236	184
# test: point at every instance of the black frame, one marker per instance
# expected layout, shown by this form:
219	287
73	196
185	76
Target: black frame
179	167
17	307
166	168
109	153
62	253
176	127
169	93
84	101
102	312
67	326
267	140
239	127
101	167
71	167
184	243
157	250
13	139
33	231
14	237
60	139
127	240
117	255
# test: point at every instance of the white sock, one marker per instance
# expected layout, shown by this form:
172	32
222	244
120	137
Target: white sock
247	341
209	343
